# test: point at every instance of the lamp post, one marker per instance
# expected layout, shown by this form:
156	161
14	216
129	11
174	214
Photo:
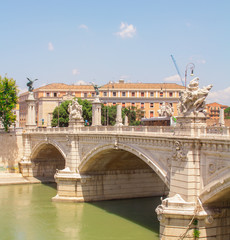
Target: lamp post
190	66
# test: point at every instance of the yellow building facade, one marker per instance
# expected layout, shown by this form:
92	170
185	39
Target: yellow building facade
146	96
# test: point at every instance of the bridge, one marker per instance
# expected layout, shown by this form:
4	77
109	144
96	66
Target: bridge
188	163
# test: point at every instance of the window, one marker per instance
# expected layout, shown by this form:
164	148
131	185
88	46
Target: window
170	94
114	94
151	94
85	95
123	94
161	94
105	94
151	105
142	94
142	105
151	114
55	94
47	94
133	104
123	105
133	94
93	94
114	104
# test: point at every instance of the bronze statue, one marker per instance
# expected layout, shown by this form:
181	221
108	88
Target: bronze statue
96	88
30	84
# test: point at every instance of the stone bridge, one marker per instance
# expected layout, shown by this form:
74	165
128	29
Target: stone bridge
188	164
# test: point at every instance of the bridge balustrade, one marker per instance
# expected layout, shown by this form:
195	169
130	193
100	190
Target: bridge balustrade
198	131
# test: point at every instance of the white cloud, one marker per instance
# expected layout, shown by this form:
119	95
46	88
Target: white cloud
83	26
50	46
220	96
75	71
127	31
197	59
174	78
81	82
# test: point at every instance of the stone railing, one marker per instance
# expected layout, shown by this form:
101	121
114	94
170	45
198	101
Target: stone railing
140	130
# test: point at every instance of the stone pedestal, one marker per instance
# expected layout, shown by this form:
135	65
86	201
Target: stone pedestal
189	125
96	112
76	123
26	168
69	187
182	220
30	118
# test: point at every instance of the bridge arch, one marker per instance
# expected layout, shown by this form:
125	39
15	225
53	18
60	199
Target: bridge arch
152	163
217	191
46	157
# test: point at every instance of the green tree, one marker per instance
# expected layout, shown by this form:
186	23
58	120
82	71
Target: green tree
61	114
86	109
134	115
108	113
8	101
227	113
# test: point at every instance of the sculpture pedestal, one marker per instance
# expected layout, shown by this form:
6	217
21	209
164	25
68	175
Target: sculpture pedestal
76	123
189	125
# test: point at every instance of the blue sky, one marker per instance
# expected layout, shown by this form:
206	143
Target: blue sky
100	41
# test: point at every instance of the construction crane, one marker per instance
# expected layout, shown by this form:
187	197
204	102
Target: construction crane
174	61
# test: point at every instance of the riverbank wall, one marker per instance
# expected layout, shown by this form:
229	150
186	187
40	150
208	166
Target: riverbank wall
11	151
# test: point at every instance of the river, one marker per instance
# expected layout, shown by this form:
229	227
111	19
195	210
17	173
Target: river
27	213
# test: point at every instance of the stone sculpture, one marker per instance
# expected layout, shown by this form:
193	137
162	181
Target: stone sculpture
192	99
30	84
165	110
75	111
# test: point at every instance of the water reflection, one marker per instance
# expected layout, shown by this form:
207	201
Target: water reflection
28	213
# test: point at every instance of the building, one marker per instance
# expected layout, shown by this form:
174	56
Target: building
213	110
146	96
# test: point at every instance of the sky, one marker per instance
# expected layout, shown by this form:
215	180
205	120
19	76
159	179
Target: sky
83	41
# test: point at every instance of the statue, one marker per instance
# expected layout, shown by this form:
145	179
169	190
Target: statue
30	84
192	99
165	110
75	111
96	88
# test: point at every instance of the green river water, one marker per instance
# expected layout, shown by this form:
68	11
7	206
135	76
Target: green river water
27	213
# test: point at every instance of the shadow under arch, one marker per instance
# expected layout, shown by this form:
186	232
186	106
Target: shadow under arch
152	163
46	158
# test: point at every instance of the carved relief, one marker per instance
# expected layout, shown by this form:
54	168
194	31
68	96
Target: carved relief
178	152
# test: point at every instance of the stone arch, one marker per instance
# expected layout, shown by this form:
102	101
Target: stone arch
46	157
218	190
152	163
39	145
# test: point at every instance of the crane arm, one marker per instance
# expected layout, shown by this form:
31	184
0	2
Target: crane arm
174	61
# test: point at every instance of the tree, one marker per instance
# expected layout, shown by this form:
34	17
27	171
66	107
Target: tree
61	114
134	115
108	113
8	101
227	113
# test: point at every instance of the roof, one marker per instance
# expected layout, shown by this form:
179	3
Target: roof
62	86
109	86
143	86
216	104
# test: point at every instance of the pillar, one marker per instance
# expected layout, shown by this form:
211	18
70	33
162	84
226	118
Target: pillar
96	112
30	117
119	116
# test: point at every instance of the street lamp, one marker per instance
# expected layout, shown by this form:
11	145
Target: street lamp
190	66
